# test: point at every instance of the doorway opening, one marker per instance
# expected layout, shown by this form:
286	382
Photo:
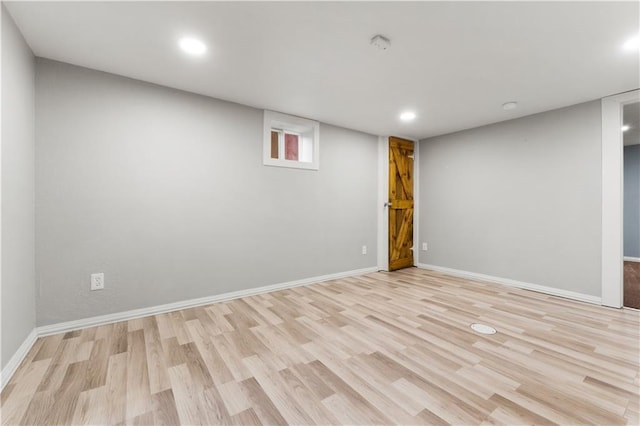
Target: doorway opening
631	202
612	196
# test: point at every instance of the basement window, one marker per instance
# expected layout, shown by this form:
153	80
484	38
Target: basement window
290	141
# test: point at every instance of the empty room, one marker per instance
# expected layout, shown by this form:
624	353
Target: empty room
320	213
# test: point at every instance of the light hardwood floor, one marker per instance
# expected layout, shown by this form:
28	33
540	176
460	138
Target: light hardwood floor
383	348
632	284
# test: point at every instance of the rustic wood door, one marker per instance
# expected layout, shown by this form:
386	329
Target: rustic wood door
400	203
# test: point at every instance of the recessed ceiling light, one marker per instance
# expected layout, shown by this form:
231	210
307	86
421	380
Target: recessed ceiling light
633	43
625	128
192	46
509	106
408	116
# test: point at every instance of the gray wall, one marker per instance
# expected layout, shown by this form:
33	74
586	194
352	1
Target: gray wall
519	199
18	274
632	201
165	192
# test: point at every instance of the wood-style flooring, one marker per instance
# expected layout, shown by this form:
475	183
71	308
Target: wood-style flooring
383	348
632	284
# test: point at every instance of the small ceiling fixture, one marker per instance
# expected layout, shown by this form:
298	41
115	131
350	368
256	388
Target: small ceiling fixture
625	127
382	43
633	43
192	46
509	105
408	116
483	329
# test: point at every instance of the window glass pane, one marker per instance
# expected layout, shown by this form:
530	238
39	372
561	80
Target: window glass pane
291	146
306	156
274	144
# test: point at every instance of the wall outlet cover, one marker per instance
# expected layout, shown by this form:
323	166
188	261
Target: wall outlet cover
97	281
424	246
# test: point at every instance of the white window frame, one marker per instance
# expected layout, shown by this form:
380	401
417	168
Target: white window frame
304	128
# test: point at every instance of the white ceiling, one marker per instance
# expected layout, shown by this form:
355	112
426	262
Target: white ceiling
454	63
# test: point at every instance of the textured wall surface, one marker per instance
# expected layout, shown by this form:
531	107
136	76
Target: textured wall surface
520	199
165	192
18	273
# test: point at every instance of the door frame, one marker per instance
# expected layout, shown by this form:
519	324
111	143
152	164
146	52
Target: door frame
612	197
383	197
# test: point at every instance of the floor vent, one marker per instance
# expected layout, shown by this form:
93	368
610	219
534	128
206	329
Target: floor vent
483	329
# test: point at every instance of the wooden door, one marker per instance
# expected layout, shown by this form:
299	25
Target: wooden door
400	203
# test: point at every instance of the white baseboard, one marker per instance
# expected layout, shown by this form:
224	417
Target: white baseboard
170	307
631	259
513	283
9	370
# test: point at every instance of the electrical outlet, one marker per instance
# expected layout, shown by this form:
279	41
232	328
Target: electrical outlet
364	250
424	247
97	281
